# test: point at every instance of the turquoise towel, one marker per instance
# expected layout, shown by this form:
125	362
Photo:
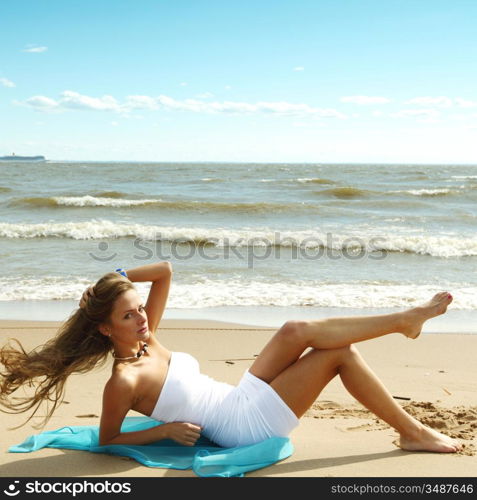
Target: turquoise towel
206	458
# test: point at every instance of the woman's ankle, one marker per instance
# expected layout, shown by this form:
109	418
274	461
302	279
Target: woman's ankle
412	430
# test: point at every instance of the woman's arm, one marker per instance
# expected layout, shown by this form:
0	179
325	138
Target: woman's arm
182	432
118	399
138	437
161	276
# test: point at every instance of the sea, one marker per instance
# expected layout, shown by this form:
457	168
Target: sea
253	243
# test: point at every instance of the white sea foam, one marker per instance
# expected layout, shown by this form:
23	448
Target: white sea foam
396	239
305	180
429	192
464	177
425	192
215	293
92	201
314	180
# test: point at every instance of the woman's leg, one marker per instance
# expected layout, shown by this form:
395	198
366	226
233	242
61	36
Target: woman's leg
301	383
294	337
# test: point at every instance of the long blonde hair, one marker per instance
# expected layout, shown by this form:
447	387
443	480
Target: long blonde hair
78	347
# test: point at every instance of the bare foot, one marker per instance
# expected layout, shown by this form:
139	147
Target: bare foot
428	439
414	318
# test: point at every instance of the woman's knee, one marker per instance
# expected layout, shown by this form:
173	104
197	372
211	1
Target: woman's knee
347	353
294	331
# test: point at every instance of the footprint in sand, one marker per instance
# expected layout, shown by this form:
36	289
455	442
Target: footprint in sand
459	422
327	405
368	427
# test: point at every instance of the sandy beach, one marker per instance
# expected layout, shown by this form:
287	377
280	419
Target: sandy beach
432	377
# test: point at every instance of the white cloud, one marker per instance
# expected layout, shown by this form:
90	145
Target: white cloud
114	124
6	82
35	49
364	99
463	103
42	103
183	84
299	68
142	102
441	101
74	100
70	100
227	87
415	113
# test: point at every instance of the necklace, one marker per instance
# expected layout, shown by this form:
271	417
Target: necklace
141	351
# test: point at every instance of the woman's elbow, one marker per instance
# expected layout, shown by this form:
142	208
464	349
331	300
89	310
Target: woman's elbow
106	440
166	268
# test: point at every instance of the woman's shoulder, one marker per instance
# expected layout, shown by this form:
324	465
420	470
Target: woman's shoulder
122	380
122	377
120	390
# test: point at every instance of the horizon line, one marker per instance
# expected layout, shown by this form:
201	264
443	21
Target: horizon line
269	162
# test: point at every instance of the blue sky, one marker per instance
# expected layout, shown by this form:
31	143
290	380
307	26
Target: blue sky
215	80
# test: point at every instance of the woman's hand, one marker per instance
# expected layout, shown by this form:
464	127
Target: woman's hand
182	432
89	292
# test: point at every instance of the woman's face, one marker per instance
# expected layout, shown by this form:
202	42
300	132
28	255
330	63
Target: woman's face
128	321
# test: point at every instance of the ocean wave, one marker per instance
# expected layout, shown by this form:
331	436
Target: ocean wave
427	192
212	179
301	180
464	177
344	193
315	180
354	241
354	192
192	205
111	194
204	292
80	201
5	189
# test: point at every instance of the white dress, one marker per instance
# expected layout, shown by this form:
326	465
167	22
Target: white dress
228	415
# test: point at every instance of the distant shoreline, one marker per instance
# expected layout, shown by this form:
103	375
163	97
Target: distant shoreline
14	158
281	163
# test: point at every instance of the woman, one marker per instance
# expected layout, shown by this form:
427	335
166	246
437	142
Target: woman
278	388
